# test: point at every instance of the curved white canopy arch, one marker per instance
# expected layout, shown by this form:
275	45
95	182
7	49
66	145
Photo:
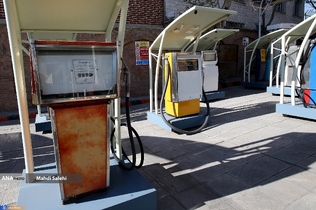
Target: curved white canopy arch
179	34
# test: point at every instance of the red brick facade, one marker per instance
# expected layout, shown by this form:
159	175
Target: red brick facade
148	12
2	16
145	22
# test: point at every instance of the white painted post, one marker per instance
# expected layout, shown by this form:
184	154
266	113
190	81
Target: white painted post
14	33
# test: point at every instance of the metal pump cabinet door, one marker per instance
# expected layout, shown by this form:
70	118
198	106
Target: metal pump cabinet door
81	147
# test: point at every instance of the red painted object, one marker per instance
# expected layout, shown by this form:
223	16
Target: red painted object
307	94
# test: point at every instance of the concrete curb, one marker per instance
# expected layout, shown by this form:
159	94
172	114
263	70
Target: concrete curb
132	102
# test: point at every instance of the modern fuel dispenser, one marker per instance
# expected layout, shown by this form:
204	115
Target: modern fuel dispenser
77	80
210	70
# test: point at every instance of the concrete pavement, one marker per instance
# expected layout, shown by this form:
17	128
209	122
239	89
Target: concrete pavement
248	158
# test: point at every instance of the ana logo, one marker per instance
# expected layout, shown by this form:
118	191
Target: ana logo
3	207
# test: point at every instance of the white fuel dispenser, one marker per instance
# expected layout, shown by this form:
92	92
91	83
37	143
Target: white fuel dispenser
210	70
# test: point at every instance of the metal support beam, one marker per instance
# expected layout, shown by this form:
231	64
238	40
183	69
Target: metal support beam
15	41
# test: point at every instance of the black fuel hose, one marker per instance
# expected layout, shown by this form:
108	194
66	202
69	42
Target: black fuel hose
207	115
300	92
131	130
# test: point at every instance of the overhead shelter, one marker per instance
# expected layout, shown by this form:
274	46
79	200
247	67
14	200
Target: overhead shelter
210	40
275	53
56	20
305	30
186	28
258	44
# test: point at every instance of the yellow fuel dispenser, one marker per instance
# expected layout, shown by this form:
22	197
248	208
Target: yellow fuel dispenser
179	108
184	90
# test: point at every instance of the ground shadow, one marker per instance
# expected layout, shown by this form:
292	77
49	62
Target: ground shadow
12	156
214	171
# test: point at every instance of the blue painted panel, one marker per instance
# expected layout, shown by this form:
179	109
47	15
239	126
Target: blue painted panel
276	90
313	74
296	111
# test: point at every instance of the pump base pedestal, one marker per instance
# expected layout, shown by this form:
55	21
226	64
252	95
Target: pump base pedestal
256	85
213	96
296	111
276	90
127	189
42	123
180	122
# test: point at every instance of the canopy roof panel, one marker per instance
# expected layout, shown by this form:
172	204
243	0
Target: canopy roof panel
211	38
61	19
184	29
261	41
73	15
299	31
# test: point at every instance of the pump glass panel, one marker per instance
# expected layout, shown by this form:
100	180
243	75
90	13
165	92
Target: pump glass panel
188	64
75	72
209	57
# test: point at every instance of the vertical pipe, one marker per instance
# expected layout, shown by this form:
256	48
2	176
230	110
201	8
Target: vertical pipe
157	71
14	34
251	58
271	65
277	81
117	101
39	111
245	64
150	81
282	69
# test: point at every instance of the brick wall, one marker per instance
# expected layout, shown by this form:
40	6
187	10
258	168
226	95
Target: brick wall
8	99
2	16
149	12
145	22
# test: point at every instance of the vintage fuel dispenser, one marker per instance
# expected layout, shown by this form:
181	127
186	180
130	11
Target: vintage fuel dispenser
183	88
210	70
77	80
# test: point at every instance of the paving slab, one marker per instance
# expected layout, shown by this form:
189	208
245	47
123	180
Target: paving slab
283	190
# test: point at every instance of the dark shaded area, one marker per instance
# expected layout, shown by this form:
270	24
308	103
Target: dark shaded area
198	172
12	156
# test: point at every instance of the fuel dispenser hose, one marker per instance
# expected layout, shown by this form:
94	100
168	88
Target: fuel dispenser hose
300	92
207	115
131	130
